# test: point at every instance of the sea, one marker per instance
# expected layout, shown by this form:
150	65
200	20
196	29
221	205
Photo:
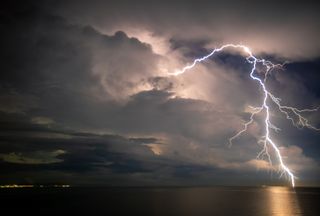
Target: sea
161	201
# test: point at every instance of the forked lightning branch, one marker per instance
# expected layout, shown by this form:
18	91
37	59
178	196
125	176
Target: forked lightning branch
293	114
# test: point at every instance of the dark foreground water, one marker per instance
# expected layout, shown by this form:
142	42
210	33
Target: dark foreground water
235	201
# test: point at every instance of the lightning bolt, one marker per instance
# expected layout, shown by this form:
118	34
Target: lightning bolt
293	114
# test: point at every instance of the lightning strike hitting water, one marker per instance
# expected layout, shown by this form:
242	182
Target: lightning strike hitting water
291	113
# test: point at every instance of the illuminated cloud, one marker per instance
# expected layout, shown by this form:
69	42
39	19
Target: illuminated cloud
263	26
34	158
42	120
155	148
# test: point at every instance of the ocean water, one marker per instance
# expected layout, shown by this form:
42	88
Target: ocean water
178	201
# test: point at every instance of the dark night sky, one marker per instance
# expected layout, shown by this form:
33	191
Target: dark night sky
85	95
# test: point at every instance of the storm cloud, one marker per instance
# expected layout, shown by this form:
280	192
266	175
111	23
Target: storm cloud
85	89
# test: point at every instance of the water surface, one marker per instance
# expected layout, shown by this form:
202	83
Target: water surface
200	201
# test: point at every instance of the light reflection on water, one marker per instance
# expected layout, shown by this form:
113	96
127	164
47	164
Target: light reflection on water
283	201
175	201
267	201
